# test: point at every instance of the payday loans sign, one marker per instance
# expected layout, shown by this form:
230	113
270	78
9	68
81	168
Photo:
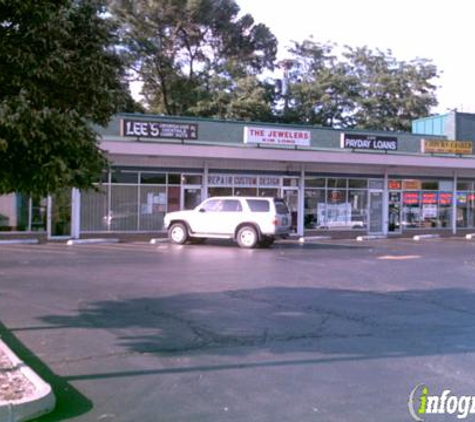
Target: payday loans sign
368	142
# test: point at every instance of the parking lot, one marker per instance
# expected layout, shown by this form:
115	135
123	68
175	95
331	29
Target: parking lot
325	331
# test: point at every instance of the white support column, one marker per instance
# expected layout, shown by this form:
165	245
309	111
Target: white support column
386	203
49	204
301	204
204	182
454	205
75	213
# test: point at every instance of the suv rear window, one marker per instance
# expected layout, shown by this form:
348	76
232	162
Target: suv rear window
281	206
258	205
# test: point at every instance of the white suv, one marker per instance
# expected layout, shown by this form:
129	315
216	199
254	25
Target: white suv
251	221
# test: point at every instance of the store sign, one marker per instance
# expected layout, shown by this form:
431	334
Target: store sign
269	181
220	180
463	198
273	136
429	198
445	198
394	184
154	129
409	184
446	147
368	142
411	198
228	180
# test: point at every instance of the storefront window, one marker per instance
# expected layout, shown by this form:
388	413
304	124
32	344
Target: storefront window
174	179
466	209
444	219
411	210
269	192
358	200
220	192
464	185
238	191
121	176
123	214
291	182
315	182
191	179
153	207
153	178
337	183
427	209
94	214
38	214
358	183
429	185
173	198
377	184
338	209
14	212
315	208
394	211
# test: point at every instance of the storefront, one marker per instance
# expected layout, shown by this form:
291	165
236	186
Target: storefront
345	182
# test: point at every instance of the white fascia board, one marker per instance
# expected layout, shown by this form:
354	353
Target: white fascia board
288	155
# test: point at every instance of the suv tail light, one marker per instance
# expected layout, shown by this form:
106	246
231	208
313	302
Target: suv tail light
275	221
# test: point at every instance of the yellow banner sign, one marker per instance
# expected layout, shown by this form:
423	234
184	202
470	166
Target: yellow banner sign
446	147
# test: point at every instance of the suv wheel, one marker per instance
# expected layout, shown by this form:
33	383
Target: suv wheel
247	237
178	233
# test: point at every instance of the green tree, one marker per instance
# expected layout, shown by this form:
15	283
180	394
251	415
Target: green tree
320	88
391	93
59	75
195	57
357	88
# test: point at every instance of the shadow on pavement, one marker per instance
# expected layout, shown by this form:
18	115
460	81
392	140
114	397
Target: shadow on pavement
69	402
335	325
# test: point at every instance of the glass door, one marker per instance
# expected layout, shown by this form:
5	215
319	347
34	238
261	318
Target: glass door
291	197
394	212
376	212
191	197
59	214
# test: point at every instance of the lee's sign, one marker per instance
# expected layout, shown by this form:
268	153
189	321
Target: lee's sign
368	142
274	136
154	129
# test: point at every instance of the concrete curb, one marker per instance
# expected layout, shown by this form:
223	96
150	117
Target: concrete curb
19	242
370	237
158	240
308	238
418	237
40	402
72	242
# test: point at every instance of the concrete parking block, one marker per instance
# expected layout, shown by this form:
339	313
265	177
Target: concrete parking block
33	404
72	242
426	236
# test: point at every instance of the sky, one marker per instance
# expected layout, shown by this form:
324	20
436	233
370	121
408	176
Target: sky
440	31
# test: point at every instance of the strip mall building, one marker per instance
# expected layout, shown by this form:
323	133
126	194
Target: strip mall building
341	183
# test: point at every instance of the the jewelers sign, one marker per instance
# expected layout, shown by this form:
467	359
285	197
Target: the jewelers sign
276	136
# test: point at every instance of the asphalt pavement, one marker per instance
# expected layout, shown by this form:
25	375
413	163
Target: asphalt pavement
325	331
